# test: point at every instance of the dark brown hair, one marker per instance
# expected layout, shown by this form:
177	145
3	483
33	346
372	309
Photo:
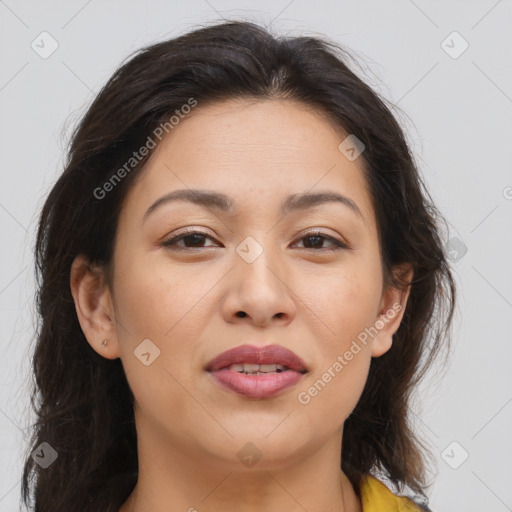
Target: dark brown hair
83	403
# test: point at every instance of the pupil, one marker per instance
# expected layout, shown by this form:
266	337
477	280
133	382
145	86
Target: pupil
196	239
318	239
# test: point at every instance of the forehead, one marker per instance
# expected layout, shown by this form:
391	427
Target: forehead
254	151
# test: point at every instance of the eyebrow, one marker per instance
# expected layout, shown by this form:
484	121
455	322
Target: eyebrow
221	202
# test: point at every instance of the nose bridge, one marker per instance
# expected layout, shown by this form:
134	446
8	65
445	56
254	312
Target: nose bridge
259	288
259	261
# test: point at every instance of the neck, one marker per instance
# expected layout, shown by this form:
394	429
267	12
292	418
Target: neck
191	480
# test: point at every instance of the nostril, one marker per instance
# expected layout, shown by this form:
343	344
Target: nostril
241	314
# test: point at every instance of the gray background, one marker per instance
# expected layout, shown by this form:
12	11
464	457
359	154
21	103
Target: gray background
456	109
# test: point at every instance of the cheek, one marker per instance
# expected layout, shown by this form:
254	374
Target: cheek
155	299
330	396
333	389
162	305
347	301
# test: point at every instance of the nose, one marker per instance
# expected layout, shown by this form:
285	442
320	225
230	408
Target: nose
259	293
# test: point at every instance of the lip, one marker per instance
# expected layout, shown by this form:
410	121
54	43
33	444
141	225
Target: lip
257	386
269	354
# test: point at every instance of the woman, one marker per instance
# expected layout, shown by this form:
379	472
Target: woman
242	279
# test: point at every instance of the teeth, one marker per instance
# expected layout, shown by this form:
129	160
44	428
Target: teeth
267	368
257	369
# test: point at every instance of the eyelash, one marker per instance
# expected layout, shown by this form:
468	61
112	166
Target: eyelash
171	242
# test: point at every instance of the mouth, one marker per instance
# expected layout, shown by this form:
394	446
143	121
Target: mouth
257	372
258	369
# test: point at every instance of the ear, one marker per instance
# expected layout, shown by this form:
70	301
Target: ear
391	311
94	307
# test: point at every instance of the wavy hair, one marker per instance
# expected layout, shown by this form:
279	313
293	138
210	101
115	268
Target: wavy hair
82	401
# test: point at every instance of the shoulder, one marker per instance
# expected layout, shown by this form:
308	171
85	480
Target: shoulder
376	497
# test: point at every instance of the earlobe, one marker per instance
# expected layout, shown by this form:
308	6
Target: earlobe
94	308
391	311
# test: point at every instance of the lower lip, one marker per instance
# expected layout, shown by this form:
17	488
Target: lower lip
256	386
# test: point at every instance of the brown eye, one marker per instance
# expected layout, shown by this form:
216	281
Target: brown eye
191	240
196	240
317	239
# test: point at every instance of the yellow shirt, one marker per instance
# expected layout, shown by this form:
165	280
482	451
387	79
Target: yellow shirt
376	497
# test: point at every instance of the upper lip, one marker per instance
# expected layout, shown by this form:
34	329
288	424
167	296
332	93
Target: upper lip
269	354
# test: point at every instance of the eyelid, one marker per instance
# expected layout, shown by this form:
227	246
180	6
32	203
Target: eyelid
191	231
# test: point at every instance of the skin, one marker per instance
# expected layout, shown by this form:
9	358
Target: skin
297	294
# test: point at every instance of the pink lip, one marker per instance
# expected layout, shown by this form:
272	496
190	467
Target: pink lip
257	386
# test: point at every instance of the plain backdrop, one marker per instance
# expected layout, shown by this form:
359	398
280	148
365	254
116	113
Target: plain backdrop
445	64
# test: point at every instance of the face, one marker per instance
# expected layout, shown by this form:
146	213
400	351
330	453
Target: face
191	281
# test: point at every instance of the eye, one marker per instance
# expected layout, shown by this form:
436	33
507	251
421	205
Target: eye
317	238
192	239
